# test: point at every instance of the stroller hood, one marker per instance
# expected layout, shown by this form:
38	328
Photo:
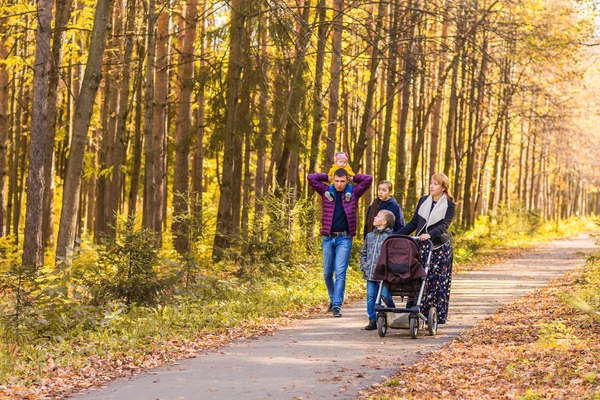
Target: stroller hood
399	260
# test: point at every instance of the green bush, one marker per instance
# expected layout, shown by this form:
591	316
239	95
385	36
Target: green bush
134	258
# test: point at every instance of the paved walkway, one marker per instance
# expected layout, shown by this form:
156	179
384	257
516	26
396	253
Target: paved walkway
327	358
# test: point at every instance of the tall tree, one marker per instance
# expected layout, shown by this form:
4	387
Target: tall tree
335	71
390	93
122	113
317	112
225	227
198	162
361	144
137	143
183	137
83	114
63	14
149	206
4	97
290	119
33	247
159	114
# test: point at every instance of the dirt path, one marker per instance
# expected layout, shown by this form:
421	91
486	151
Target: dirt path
325	357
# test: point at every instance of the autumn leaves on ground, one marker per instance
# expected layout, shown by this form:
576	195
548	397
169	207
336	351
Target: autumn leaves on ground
525	336
537	347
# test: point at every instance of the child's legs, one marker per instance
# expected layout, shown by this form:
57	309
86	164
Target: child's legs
387	298
349	188
372	288
331	189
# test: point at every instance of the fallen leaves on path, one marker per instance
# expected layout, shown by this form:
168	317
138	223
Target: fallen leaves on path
537	347
60	381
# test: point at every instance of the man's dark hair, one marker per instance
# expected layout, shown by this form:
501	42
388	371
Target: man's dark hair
341	173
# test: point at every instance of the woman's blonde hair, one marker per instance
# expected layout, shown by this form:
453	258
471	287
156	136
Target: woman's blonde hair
444	182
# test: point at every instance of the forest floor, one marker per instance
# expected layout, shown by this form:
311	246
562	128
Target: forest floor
533	344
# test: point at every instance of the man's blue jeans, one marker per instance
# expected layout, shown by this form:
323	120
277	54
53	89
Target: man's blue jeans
372	289
336	254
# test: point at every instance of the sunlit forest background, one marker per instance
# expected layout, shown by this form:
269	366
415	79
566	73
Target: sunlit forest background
154	157
203	118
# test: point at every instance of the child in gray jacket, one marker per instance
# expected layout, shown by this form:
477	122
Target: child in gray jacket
369	254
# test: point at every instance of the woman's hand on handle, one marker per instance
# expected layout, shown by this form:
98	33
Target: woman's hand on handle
424	237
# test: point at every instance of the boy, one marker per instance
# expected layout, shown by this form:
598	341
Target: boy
369	254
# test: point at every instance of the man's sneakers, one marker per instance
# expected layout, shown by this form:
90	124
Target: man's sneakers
330	308
337	312
328	196
372	325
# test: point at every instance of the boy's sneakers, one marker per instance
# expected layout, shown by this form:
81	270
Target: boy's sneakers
372	325
337	312
348	196
328	196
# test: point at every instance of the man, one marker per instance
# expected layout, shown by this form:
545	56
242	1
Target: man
338	227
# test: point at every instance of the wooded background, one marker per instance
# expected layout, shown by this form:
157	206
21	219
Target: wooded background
182	110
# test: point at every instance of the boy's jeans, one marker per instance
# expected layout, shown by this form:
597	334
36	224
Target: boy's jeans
372	288
336	254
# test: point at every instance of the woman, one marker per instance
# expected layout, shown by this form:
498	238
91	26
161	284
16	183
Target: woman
384	201
431	221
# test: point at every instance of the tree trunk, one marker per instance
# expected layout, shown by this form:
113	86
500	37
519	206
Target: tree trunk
159	116
33	247
247	186
112	82
4	84
149	210
261	140
361	143
83	114
63	14
137	146
14	205
290	121
225	228
437	110
452	111
13	139
409	66
122	113
317	112
183	137
334	86
391	95
198	163
475	130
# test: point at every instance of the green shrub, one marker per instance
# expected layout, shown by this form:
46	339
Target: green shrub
133	257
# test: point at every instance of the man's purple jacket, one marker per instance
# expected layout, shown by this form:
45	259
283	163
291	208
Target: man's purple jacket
319	182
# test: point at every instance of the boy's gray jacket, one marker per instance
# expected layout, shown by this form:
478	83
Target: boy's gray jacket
369	254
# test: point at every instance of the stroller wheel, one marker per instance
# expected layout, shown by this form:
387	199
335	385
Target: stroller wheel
382	324
414	327
432	323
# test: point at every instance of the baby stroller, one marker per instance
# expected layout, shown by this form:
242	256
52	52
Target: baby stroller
401	270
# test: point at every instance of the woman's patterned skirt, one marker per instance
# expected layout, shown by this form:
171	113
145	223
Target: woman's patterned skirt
439	278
